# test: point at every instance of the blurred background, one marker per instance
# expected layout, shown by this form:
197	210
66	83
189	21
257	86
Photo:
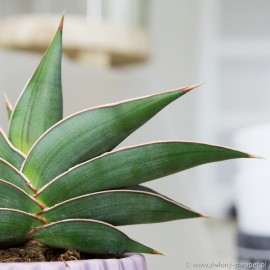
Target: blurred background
120	49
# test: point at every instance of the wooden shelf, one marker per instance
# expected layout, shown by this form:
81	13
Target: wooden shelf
99	43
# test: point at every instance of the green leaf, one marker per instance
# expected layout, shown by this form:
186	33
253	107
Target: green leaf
9	153
142	188
89	133
132	166
150	190
13	176
15	198
14	225
88	236
120	207
9	107
40	104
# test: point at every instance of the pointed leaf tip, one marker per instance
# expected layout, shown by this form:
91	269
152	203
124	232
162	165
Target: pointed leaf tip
156	252
204	216
254	156
8	103
9	107
62	21
189	88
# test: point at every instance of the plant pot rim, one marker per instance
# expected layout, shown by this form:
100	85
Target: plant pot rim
130	261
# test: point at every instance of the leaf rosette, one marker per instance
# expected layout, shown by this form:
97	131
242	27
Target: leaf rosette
63	184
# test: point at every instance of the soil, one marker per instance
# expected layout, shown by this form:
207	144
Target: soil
34	251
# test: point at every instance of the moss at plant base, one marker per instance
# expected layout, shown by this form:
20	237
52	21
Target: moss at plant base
34	251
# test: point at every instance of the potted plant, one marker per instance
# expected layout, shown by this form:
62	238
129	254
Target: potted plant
63	187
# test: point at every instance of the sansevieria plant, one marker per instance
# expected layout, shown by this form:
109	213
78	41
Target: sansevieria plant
63	184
